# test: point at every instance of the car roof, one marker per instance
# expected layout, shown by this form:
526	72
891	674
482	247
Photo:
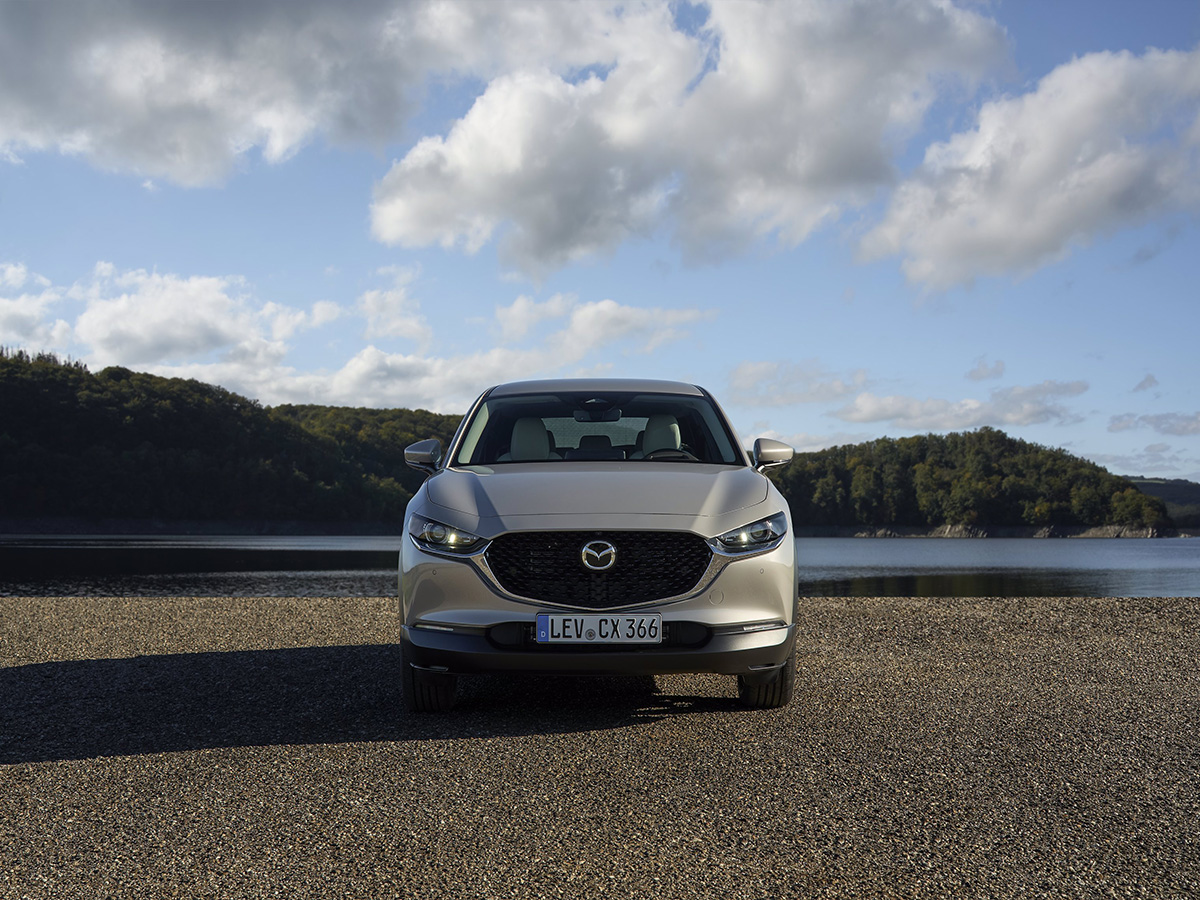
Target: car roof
599	385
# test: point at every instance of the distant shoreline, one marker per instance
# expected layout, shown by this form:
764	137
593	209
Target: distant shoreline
987	531
70	526
168	527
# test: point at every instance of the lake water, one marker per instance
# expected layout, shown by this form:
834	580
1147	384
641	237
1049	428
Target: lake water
338	566
999	567
199	566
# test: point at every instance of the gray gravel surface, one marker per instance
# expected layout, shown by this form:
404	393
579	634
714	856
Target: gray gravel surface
234	747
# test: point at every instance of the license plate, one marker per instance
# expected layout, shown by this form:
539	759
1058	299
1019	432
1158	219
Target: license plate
643	628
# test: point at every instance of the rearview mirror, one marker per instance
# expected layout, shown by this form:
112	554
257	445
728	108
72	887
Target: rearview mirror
769	453
598	415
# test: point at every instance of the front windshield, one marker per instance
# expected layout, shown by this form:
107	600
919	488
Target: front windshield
598	427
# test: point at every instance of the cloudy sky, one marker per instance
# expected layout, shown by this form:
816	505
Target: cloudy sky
846	219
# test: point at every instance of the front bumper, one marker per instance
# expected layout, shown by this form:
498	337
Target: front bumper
739	620
757	652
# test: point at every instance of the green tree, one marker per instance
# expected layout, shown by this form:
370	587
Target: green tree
866	494
983	478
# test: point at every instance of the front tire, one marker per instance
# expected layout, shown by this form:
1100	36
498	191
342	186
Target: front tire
425	691
774	693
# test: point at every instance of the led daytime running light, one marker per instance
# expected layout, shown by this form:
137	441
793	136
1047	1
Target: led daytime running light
444	538
755	536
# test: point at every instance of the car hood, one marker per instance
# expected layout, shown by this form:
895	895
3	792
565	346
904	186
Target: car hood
598	495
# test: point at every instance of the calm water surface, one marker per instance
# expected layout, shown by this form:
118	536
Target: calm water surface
199	566
999	567
341	566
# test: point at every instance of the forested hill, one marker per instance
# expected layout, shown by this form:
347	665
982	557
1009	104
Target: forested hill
982	478
1181	497
125	445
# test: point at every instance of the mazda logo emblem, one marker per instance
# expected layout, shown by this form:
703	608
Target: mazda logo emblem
598	555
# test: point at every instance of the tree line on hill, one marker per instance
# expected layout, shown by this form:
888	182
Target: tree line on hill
982	478
118	444
1181	497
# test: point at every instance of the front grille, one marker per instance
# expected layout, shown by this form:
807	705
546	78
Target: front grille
547	566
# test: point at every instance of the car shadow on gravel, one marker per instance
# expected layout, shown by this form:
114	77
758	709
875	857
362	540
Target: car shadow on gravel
180	702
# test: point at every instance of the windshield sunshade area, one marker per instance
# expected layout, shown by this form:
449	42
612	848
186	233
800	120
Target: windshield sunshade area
550	428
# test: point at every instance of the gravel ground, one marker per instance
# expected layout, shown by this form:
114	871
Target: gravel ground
234	747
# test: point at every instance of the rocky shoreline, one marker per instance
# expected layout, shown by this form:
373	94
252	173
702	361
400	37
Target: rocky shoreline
954	747
991	531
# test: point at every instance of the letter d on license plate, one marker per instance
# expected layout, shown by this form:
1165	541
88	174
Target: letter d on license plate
556	628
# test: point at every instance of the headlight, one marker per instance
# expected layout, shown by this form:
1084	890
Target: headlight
765	534
431	535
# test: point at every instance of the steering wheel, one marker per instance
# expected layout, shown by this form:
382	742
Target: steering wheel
670	453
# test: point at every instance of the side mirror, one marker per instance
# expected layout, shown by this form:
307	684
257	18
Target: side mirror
424	455
769	453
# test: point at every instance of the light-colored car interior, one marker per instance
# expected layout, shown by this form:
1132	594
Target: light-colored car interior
662	433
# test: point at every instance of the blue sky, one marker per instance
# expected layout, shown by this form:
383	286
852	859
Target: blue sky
846	219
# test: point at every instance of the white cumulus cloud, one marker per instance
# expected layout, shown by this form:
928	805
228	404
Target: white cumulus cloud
392	312
1178	424
1029	405
1105	141
1161	458
786	384
1146	384
285	321
598	122
985	371
213	328
801	442
374	377
154	321
16	275
139	317
522	315
182	91
27	305
773	119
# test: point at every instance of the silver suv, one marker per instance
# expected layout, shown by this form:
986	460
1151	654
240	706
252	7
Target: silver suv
598	526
